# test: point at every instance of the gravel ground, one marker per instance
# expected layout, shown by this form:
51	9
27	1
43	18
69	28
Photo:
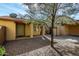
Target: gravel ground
65	46
44	51
21	46
40	46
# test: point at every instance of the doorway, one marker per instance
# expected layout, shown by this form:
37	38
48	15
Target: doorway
20	30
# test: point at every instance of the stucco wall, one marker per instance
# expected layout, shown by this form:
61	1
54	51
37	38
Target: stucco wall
43	30
61	30
37	30
55	31
29	30
73	29
67	30
40	30
10	29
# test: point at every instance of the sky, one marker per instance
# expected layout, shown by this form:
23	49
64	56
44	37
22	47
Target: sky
8	8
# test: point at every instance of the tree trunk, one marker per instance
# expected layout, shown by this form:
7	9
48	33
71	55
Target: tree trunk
52	24
52	34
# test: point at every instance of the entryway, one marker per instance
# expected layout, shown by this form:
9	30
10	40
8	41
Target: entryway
20	30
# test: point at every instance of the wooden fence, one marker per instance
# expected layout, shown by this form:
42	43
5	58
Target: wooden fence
2	34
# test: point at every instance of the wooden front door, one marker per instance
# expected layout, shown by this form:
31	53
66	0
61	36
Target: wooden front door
20	30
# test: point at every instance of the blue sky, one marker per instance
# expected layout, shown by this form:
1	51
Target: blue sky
8	8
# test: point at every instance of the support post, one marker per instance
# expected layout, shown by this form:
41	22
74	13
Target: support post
43	30
31	30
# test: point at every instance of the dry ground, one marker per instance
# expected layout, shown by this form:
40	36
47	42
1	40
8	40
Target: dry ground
67	45
21	46
39	46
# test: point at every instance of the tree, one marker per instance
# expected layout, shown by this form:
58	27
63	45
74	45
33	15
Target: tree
13	15
43	10
52	9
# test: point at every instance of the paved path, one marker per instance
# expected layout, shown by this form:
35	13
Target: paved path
64	38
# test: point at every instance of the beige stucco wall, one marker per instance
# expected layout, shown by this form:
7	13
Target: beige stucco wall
29	30
58	30
10	29
73	29
43	30
40	30
61	30
37	31
54	31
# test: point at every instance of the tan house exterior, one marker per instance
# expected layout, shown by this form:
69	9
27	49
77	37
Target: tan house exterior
19	28
61	25
72	29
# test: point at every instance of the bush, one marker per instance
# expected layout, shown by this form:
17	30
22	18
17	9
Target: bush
2	51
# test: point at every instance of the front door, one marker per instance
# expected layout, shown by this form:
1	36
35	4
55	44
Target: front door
20	29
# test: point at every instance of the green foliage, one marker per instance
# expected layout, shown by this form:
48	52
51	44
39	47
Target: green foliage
2	51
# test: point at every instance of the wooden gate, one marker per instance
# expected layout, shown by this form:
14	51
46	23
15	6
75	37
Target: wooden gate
2	34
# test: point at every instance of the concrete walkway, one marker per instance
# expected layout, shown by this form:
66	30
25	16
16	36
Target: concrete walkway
65	38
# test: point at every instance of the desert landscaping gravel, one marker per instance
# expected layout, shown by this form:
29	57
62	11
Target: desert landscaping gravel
44	51
40	46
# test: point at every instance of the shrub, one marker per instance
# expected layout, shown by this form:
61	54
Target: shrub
2	51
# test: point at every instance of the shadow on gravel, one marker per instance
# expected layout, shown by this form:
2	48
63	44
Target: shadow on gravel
17	47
